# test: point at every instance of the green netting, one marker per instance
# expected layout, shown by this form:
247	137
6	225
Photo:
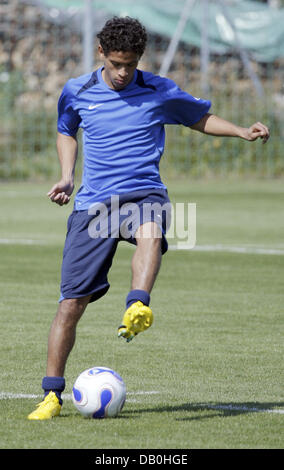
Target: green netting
260	28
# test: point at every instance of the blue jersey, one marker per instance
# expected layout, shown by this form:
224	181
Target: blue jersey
124	135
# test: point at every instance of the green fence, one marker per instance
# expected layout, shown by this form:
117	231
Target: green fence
41	49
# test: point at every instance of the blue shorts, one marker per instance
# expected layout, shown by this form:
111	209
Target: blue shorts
93	235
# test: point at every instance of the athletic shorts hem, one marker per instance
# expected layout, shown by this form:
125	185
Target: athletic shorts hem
97	294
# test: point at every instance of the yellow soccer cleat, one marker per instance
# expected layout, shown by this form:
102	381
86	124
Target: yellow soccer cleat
137	318
47	409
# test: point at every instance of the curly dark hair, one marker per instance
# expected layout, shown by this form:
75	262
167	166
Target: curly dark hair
123	34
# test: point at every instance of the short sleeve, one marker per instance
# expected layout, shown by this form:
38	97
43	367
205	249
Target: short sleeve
182	108
68	119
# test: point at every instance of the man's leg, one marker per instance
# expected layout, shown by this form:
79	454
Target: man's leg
147	258
146	263
62	334
60	343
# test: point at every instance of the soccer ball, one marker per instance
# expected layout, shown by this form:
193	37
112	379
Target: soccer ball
99	392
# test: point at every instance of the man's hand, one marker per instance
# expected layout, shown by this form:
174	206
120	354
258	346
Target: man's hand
61	192
257	130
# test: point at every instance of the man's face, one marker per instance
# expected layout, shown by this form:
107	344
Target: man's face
119	68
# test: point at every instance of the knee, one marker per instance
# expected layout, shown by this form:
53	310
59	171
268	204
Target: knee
71	310
149	233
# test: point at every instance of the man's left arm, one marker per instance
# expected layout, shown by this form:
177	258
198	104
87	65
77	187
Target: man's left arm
213	125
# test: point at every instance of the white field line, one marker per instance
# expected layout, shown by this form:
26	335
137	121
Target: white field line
230	249
257	250
21	241
13	396
66	396
240	408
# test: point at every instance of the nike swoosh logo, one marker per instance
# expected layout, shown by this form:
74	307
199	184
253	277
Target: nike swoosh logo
93	106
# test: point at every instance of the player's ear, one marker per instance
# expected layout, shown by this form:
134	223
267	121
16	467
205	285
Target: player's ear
101	51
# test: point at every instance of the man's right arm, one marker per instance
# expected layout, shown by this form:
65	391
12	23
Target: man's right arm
67	149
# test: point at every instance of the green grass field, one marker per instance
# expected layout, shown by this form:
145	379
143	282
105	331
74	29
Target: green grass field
207	375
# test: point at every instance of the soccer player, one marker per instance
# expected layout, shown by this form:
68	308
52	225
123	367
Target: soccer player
122	111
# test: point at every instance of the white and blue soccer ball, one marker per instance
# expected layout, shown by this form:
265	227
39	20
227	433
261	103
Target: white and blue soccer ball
99	392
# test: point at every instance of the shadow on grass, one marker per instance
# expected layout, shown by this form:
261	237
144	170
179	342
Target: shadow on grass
218	409
193	411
